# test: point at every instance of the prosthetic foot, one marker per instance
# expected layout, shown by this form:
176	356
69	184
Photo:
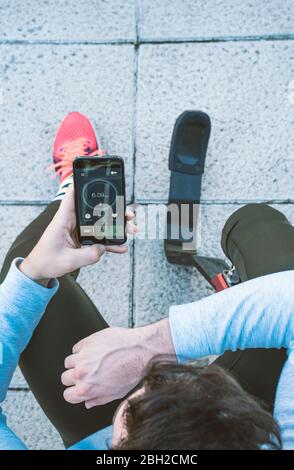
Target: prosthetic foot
186	162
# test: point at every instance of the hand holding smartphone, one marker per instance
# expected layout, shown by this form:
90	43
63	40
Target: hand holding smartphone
100	200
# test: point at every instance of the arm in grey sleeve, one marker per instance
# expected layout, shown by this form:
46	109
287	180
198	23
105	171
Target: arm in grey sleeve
22	304
257	313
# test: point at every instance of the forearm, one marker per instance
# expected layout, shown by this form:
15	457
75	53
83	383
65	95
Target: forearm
228	320
148	343
157	339
258	313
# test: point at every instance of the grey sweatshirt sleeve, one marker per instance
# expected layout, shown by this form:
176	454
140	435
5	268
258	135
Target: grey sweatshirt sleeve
256	313
22	303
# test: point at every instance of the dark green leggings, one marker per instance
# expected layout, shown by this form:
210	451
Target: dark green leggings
258	240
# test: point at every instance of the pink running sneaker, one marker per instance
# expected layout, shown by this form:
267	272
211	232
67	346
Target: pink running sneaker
75	138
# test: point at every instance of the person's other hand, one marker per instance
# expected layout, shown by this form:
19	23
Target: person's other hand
108	364
58	251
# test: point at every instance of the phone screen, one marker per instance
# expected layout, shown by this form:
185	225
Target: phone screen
100	199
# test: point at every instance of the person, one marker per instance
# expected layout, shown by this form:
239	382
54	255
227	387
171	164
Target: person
170	403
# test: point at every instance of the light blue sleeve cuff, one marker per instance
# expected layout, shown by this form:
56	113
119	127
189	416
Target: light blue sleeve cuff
188	331
17	287
100	440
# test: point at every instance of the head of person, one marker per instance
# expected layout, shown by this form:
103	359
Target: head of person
188	407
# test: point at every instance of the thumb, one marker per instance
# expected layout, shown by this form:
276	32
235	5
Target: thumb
67	206
89	254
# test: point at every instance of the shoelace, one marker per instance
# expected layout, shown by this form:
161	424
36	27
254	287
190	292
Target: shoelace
69	152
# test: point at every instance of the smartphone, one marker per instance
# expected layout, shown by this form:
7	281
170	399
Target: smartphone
100	199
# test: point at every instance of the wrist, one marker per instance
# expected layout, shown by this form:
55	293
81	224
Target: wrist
29	270
157	340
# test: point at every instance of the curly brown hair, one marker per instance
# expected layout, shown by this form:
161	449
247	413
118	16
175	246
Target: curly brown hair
189	407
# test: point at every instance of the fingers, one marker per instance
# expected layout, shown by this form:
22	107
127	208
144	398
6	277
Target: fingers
91	403
67	206
79	393
68	378
78	346
119	249
71	396
130	215
66	213
83	342
131	228
89	254
70	361
76	391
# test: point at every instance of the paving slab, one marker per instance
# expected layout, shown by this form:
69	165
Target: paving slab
158	284
244	87
28	421
108	284
39	85
86	20
165	19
